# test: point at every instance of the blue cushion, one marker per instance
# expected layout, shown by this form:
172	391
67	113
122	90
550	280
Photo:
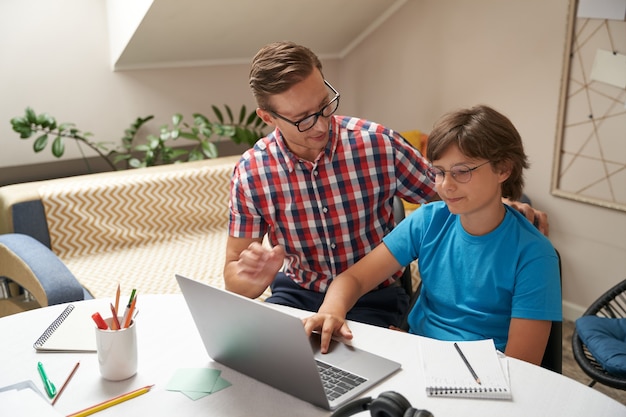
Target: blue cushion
606	340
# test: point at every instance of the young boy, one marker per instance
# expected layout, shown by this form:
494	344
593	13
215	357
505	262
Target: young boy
486	271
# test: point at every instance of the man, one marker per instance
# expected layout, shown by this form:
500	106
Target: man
321	187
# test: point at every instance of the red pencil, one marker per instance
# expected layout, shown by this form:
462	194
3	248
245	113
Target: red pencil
115	323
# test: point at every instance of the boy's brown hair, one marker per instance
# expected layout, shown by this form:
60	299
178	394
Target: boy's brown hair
483	133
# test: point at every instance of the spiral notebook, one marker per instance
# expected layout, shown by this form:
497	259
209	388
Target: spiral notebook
72	331
447	374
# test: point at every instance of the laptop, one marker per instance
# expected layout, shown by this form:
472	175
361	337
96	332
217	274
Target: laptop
271	346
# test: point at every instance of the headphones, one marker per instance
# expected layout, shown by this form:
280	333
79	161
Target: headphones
388	404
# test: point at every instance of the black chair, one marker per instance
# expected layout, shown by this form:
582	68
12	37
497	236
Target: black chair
611	304
406	280
553	355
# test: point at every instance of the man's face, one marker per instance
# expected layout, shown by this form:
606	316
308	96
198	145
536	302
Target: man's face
305	98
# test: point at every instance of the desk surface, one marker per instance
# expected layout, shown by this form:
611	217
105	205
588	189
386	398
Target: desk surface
168	341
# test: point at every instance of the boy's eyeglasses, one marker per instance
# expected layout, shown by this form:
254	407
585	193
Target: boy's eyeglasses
460	173
309	121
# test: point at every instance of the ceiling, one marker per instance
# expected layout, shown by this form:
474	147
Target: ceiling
216	32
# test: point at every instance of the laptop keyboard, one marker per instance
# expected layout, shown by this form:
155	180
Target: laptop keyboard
336	381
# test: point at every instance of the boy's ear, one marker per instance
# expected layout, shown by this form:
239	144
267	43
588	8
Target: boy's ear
504	168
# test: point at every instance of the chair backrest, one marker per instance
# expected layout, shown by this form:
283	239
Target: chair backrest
553	355
611	304
406	280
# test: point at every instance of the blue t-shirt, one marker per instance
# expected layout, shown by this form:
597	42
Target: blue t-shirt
473	285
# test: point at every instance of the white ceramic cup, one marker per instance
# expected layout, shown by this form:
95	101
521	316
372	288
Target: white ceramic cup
117	351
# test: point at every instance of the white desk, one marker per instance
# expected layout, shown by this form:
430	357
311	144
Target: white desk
168	340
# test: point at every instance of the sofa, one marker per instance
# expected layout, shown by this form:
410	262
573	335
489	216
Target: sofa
73	238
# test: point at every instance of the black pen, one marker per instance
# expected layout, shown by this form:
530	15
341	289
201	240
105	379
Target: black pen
458	349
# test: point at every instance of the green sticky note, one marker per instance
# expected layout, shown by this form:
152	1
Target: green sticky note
195	395
220	384
193	380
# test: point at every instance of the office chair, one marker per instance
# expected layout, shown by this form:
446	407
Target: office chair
553	355
406	280
611	304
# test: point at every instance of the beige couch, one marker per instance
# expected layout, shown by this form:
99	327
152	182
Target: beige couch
136	228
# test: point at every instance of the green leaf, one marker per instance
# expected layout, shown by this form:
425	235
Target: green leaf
229	112
176	119
242	114
58	147
40	143
135	163
196	155
65	126
175	133
31	116
121	157
175	153
24	131
199	119
18	122
206	131
188	135
218	114
209	149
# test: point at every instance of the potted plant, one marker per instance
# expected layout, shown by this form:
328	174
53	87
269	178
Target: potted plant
155	149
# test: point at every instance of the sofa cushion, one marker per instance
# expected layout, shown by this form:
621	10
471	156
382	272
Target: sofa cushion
606	340
143	228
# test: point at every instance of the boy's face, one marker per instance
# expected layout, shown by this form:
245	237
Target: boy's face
482	189
303	99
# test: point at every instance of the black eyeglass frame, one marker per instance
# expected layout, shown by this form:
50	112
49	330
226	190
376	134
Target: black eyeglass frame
433	175
315	115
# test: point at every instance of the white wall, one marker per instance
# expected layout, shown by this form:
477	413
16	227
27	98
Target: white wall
55	58
430	57
437	55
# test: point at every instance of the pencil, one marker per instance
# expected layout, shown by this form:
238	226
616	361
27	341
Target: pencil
458	349
110	403
129	317
117	299
65	383
115	323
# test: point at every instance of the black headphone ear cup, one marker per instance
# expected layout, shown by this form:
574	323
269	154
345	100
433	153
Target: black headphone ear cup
389	404
414	412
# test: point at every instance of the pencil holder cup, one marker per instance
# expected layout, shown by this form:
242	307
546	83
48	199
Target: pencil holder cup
117	352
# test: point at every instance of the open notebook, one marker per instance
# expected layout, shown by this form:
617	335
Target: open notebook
72	331
446	373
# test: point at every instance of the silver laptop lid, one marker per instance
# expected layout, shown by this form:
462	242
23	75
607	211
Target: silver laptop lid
271	346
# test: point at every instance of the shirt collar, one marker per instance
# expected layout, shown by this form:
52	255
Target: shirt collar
292	159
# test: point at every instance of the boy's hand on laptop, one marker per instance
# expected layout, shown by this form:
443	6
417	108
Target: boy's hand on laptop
328	325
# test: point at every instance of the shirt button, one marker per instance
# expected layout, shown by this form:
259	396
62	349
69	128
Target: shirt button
325	209
333	246
315	173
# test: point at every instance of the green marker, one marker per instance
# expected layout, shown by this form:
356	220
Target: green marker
50	388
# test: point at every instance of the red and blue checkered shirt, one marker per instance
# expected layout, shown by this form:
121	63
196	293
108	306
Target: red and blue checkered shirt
329	213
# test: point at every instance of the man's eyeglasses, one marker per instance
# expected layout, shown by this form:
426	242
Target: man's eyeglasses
460	173
309	121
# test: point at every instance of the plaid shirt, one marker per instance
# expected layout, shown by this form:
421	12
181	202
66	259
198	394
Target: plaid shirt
329	213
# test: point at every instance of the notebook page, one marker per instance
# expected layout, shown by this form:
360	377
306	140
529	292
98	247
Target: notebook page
446	374
70	331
